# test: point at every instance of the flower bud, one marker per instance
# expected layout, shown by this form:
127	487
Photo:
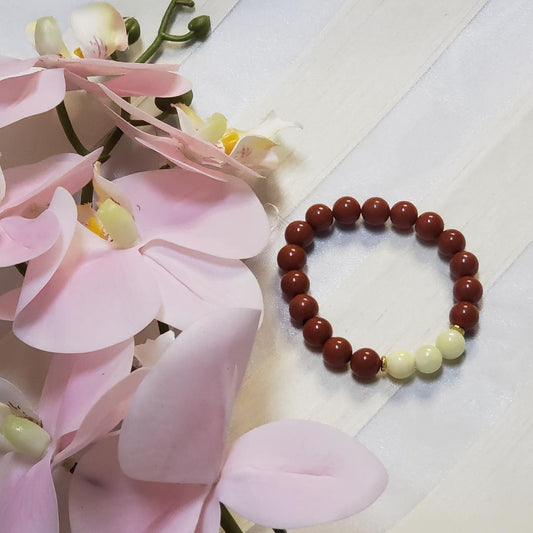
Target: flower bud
165	104
133	29
201	26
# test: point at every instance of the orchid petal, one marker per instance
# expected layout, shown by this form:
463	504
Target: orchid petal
8	304
75	382
97	297
104	415
171	432
220	218
100	29
105	189
255	152
2	185
22	239
27	495
189	121
10	66
152	350
30	94
42	268
47	37
210	516
149	83
193	284
11	395
102	498
35	184
295	473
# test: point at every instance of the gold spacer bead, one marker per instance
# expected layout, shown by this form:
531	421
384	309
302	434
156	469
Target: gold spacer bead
384	364
458	328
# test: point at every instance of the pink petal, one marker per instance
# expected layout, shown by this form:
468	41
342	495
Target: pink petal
98	296
8	304
100	67
9	394
22	239
219	218
102	498
13	65
35	184
295	473
104	415
210	517
193	284
175	428
149	83
74	383
202	152
27	496
42	268
30	94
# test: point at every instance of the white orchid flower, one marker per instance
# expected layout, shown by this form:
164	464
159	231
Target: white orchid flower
253	148
97	30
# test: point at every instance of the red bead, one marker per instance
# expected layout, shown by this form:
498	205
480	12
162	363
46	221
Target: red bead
429	226
320	217
403	215
375	211
317	331
294	282
292	257
464	264
468	289
464	314
365	363
303	307
337	352
300	233
346	210
451	241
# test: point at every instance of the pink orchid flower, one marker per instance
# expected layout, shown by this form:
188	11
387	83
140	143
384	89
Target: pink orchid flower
27	229
192	152
83	398
169	469
166	244
32	86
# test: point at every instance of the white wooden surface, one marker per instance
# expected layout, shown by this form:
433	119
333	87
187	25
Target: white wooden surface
426	101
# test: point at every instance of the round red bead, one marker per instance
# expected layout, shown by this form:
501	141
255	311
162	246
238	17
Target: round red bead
337	352
303	307
464	314
403	215
300	233
451	241
346	210
429	226
365	363
317	331
468	289
292	257
320	217
375	211
464	264
294	282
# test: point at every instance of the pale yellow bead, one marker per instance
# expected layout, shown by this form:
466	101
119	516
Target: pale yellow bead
118	224
451	344
25	436
428	359
400	364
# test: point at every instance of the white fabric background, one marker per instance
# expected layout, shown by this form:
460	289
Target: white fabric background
426	101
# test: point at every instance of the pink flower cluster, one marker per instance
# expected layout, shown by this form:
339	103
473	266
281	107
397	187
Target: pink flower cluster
149	445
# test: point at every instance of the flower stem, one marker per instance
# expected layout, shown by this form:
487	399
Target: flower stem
69	129
162	34
227	521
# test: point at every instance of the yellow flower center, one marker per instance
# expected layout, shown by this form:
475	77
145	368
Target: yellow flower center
229	140
78	53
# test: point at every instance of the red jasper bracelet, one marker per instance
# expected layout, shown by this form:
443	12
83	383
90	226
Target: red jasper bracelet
365	362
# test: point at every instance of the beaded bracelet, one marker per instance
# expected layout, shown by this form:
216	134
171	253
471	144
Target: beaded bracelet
365	362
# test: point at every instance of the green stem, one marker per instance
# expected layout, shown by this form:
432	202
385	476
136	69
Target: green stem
177	38
161	32
69	129
227	521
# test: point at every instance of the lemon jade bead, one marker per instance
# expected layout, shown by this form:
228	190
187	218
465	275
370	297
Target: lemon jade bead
451	344
400	364
428	359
